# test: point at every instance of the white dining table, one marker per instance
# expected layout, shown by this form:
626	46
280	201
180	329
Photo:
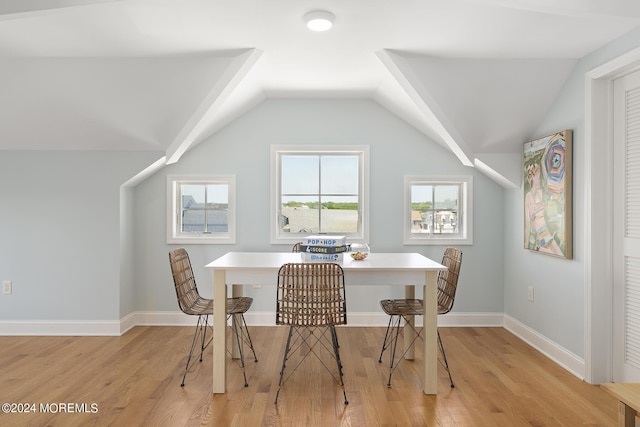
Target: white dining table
378	269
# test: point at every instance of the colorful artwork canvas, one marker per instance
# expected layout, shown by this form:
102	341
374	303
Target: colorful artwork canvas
548	196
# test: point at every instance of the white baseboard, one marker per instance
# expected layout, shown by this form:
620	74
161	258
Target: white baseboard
549	348
60	328
373	319
177	318
486	320
555	352
162	318
95	328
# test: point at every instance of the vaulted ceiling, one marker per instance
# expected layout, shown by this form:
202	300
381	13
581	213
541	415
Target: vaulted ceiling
475	75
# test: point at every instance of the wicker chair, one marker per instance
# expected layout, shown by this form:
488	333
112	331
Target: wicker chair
399	309
296	247
311	301
193	304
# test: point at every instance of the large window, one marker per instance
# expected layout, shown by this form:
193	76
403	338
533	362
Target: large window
318	190
201	209
438	210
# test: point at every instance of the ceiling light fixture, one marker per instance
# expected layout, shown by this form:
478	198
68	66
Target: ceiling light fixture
319	20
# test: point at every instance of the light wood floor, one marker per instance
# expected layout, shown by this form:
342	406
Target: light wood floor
134	380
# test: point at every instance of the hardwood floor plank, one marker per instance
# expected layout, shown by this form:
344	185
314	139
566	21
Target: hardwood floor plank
134	380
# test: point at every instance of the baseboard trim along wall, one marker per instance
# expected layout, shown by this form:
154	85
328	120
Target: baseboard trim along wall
177	318
563	357
549	348
59	328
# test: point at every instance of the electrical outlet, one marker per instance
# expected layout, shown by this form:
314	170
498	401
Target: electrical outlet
530	293
6	287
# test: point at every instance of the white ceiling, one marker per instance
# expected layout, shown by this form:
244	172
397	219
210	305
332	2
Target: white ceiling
475	75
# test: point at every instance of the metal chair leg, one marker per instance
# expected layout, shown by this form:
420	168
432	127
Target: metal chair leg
199	325
305	340
444	357
284	361
336	352
394	347
391	340
203	330
385	342
237	331
249	342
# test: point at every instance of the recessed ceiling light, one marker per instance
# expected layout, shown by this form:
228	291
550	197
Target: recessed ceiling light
319	20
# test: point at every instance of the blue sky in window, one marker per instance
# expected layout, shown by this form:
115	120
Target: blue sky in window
423	193
301	175
217	193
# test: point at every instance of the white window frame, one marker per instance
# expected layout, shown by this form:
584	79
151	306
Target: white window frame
174	206
277	237
466	209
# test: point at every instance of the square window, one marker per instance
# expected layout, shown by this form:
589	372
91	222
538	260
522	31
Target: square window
319	190
201	209
438	210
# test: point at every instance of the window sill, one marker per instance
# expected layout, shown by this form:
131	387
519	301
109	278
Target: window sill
201	240
441	241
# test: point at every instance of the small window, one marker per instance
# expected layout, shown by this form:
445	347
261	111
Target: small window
318	190
438	210
201	210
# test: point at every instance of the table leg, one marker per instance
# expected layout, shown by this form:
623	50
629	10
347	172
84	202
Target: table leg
236	291
409	333
626	415
429	332
219	331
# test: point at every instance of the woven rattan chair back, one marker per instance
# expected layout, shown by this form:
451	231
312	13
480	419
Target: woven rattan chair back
448	279
311	302
311	294
189	299
191	303
398	309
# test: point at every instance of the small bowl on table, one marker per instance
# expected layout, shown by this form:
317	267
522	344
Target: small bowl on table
359	251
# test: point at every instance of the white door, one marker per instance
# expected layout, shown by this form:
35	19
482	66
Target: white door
626	229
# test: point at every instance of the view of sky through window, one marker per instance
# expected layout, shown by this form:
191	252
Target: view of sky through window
216	193
443	194
305	177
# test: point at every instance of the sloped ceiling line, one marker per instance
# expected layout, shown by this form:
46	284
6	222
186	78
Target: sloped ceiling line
218	94
491	104
399	68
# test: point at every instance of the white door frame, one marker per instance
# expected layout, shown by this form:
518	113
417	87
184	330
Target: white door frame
598	225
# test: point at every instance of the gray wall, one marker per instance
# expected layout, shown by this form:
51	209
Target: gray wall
59	232
243	148
558	309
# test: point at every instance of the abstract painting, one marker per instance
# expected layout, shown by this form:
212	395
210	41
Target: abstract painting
548	196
